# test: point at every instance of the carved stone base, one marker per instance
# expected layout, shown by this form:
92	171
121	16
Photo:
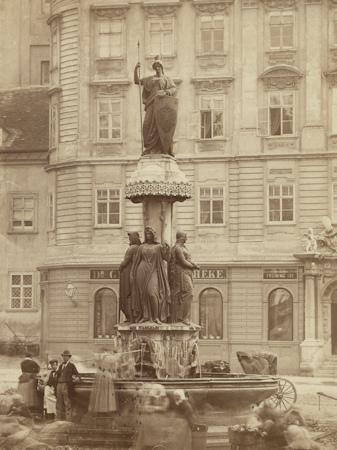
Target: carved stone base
162	351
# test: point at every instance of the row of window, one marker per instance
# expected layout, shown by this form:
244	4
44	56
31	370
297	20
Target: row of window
108	207
280	308
108	210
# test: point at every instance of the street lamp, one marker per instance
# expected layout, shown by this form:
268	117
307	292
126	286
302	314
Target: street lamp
70	292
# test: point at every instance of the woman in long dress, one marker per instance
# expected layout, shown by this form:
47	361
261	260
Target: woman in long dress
151	297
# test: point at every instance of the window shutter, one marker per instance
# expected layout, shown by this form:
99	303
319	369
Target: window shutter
334	111
262	121
193	124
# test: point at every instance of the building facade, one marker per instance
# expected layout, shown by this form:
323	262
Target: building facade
256	137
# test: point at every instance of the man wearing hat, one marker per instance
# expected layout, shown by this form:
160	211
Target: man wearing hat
67	374
125	287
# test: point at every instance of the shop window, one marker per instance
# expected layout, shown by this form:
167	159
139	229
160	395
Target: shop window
105	313
161	40
109	119
281	203
281	30
211	314
23	212
211	205
110	39
21	295
212	35
280	315
108	207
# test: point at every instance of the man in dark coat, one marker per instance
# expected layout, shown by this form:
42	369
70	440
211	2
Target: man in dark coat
67	374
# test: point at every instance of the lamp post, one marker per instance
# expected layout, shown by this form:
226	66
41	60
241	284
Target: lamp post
70	292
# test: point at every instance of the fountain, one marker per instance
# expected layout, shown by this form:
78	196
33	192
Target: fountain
158	340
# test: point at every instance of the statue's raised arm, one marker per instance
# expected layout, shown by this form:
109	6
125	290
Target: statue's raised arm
160	110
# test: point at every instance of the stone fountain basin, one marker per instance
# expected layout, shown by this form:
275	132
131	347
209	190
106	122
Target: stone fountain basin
230	392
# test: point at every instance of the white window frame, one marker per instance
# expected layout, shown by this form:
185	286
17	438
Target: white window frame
280	197
212	199
224	42
22	228
107	202
161	51
51	210
195	118
53	131
22	287
281	15
110	114
110	35
264	121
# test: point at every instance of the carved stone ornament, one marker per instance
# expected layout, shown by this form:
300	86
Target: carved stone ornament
281	78
332	77
110	12
212	7
114	87
54	21
208	62
279	4
105	66
160	9
217	85
166	189
281	143
277	58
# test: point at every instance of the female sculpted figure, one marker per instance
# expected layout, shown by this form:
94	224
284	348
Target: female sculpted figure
151	291
181	280
125	287
158	85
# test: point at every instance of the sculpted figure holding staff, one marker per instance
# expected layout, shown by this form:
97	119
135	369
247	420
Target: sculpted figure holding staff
160	110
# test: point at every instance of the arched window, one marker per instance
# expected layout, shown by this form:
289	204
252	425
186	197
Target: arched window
280	315
211	314
105	313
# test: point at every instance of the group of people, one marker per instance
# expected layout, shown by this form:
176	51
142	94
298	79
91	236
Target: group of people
58	388
148	290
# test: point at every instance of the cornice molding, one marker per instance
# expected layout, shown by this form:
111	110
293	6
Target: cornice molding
212	7
209	85
281	77
110	11
160	9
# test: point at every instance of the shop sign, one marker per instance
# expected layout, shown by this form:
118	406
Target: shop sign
280	274
104	274
215	273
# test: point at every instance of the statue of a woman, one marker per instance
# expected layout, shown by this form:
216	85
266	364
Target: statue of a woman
181	280
125	288
157	85
151	291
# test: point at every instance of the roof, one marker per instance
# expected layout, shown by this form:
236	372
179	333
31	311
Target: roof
24	119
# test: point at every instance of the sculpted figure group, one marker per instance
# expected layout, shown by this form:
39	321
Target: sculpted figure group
147	293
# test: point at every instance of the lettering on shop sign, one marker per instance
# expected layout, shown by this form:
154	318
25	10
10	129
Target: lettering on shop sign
280	274
208	274
104	274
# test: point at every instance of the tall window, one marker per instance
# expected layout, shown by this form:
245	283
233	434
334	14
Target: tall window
53	126
281	202
208	121
108	206
212	34
110	39
45	75
280	315
211	205
51	213
281	113
161	40
23	212
109	119
211	314
281	30
21	291
105	313
54	48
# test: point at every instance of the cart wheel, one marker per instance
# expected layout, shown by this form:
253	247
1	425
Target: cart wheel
285	397
10	351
